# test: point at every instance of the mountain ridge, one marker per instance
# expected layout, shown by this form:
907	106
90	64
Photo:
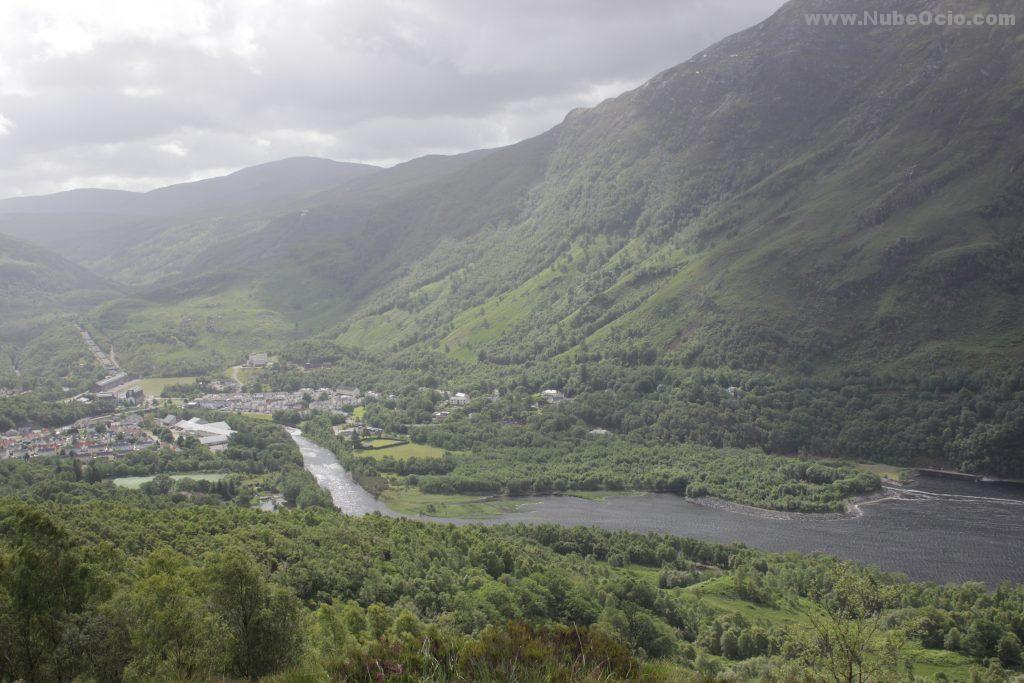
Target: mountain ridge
111	201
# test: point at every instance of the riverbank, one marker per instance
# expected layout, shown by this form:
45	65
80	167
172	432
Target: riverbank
853	507
941	535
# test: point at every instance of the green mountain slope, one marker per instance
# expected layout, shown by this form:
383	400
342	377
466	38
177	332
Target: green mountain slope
34	280
40	295
793	196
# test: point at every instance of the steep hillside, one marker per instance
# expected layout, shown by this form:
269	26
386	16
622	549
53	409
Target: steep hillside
724	213
40	295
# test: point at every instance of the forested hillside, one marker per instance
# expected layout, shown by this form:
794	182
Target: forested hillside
103	583
39	291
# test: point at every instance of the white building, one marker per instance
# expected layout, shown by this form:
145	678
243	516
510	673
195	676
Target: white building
258	360
552	395
459	399
199	428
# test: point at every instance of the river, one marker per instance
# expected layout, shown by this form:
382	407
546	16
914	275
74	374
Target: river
934	530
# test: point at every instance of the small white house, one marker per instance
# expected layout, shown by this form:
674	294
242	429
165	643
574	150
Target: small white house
459	399
552	395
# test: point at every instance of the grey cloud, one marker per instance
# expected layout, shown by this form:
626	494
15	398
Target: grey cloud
366	81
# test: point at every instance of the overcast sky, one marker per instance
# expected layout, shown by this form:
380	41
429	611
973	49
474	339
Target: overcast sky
136	94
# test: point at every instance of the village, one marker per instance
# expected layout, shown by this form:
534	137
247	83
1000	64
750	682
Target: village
104	437
137	421
125	431
325	400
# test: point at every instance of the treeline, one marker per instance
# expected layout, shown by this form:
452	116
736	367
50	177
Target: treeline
509	448
31	410
973	423
743	476
969	420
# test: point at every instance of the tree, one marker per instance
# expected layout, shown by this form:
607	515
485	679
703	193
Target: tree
952	640
1009	650
846	643
730	645
161	484
43	586
173	635
263	619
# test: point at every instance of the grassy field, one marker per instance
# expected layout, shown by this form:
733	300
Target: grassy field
358	412
136	482
405	451
242	374
411	501
894	472
154	386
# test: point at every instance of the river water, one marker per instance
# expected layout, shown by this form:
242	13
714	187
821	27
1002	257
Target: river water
934	530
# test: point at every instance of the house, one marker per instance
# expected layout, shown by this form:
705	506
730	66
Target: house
215	442
257	359
459	399
441	416
169	421
200	428
552	395
599	432
133	396
111	381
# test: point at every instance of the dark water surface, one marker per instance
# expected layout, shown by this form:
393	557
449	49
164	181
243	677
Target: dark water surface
933	530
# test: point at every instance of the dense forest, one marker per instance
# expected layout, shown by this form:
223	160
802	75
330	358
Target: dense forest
972	421
543	457
102	583
31	410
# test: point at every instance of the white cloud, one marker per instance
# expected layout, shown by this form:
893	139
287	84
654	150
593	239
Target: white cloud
175	149
5	125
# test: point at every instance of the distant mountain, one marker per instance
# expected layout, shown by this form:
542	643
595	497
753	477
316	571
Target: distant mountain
794	198
254	185
98	221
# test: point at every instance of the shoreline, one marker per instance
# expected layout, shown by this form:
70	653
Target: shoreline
852	507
